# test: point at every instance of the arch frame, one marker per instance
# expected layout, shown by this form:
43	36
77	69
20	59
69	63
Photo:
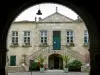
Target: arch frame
81	11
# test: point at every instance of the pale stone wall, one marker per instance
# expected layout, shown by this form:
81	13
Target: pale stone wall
78	31
54	22
19	51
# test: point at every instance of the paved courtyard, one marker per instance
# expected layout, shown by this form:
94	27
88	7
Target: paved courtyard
48	73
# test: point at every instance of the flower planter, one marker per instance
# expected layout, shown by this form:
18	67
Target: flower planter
41	69
66	70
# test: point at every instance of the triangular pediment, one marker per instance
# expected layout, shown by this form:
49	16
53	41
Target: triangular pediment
56	17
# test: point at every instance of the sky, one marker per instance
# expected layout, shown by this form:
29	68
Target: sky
47	9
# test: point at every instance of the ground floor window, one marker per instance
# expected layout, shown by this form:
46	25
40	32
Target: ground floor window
13	60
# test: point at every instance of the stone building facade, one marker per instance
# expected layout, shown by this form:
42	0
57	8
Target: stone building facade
54	35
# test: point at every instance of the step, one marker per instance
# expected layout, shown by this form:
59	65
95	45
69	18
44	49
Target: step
55	71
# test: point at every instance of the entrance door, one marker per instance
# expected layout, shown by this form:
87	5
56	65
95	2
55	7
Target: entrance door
56	62
56	40
12	60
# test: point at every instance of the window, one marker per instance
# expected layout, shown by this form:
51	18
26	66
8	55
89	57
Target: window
86	37
15	37
27	37
13	60
69	36
43	36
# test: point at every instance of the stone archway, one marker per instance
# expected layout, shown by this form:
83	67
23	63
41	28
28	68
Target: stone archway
55	61
92	27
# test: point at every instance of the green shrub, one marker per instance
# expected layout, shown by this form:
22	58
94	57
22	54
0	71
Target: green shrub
66	59
41	65
34	66
41	59
75	65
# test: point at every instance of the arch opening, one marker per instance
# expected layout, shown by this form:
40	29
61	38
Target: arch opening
55	61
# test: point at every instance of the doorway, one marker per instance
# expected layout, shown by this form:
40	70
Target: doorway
55	61
56	40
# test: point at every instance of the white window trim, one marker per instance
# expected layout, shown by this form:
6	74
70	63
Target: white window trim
69	30
87	36
14	37
27	37
43	36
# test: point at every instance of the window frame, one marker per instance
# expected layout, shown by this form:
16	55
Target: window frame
14	37
69	36
86	37
26	37
43	36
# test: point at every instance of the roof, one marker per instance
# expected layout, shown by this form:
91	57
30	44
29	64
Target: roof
24	21
56	17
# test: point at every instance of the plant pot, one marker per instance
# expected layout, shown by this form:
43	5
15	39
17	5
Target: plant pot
66	70
41	69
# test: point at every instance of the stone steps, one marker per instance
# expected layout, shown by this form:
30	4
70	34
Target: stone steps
54	71
47	52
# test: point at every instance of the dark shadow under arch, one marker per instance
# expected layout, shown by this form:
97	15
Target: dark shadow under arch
55	61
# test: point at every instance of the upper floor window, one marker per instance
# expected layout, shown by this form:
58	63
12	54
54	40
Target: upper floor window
27	37
69	36
14	37
86	37
43	35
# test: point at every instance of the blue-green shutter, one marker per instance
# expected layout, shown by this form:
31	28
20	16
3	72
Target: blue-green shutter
56	40
12	60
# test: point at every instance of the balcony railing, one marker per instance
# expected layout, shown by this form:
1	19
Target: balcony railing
49	50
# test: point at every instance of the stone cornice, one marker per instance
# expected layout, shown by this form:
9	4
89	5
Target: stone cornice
33	22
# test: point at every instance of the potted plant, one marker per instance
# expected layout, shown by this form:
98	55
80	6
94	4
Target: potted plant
66	60
41	59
